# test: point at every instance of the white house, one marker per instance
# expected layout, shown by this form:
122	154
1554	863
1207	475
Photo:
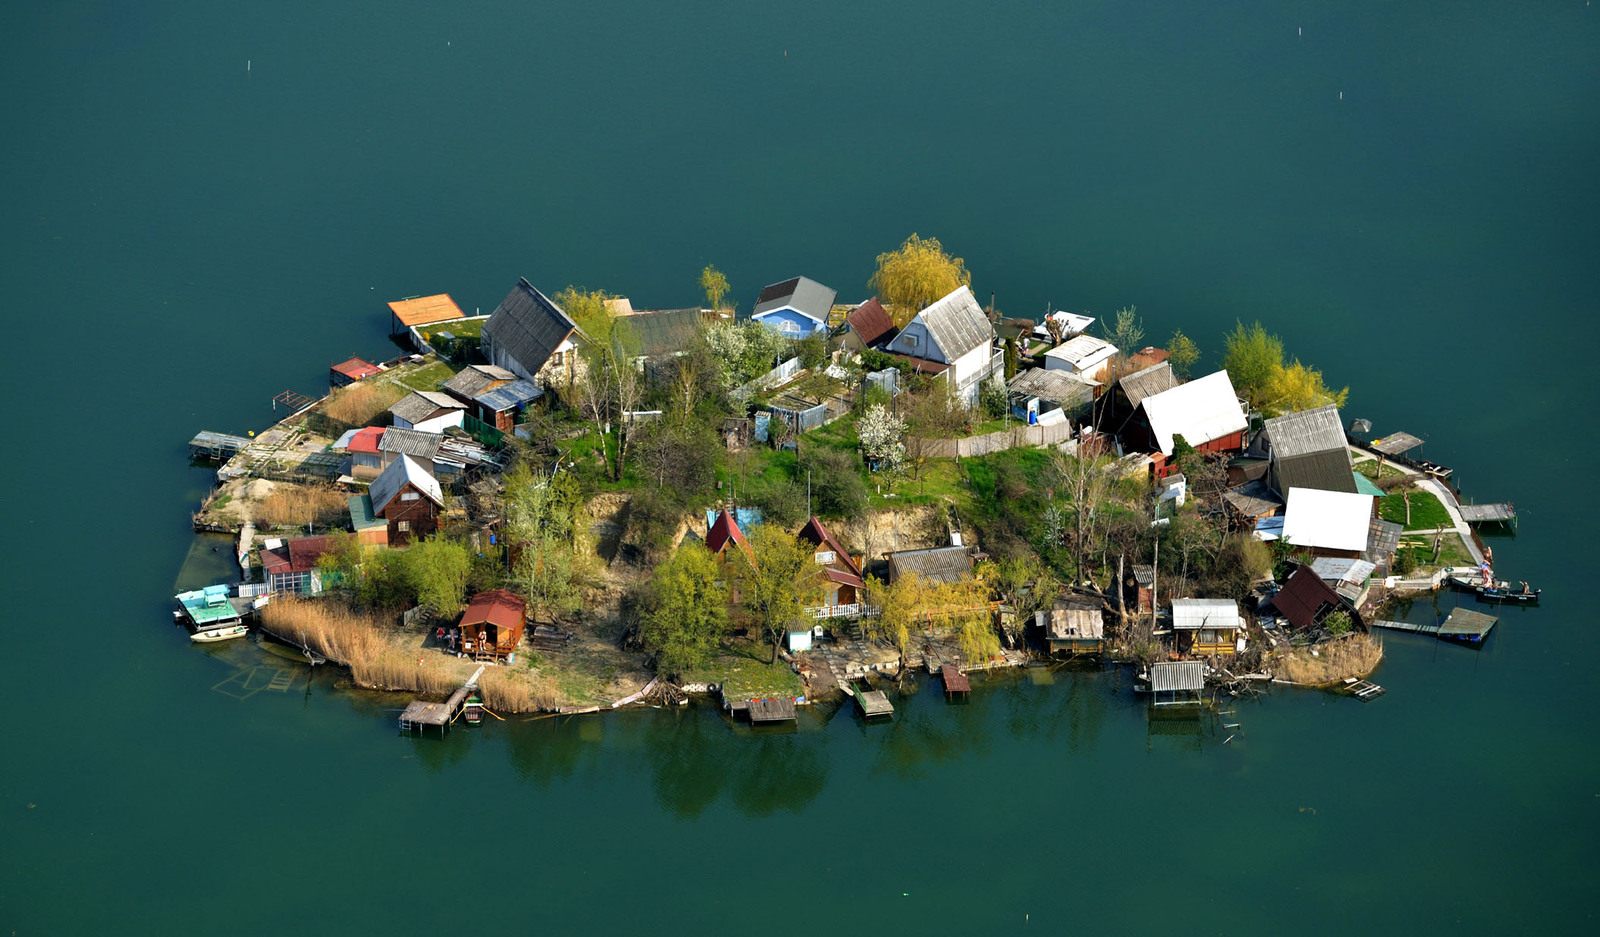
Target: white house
428	411
954	338
1085	356
795	308
1327	522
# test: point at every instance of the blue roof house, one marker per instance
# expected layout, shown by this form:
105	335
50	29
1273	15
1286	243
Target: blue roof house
795	308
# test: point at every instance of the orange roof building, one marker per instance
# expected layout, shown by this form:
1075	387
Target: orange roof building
492	625
423	310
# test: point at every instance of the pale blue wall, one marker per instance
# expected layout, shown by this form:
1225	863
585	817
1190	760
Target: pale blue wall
776	318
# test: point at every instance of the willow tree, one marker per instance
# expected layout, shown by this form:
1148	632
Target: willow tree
1254	358
917	274
779	582
685	613
715	283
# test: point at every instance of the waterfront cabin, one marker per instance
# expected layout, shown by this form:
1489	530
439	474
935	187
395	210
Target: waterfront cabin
475	379
1086	356
291	565
532	337
408	498
427	411
1350	578
840	572
795	308
502	407
1073	627
954	339
1041	397
867	326
1327	523
208	608
1177	682
1205	412
935	564
1306	449
366	460
348	372
1305	600
1207	627
492	625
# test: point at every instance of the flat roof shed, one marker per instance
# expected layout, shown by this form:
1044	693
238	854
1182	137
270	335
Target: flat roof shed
1177	683
424	310
1467	625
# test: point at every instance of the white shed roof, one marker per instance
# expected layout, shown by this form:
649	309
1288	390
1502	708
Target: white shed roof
1083	352
1070	322
1333	520
1192	614
1201	410
400	471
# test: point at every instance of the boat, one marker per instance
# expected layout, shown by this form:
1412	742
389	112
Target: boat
473	712
1496	590
223	633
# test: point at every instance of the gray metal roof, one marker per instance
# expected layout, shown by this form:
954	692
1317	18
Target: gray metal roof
1064	624
1334	569
528	327
1305	432
1058	387
665	331
510	396
1254	498
957	323
401	471
1396	443
421	404
1170	676
410	442
1147	383
938	564
802	294
1193	614
474	379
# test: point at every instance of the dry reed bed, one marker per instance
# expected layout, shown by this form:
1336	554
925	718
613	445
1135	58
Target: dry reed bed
362	402
505	691
1355	655
297	505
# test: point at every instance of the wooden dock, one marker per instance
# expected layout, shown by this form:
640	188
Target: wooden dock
1364	690
766	711
874	703
420	714
954	681
1411	626
1501	513
1463	625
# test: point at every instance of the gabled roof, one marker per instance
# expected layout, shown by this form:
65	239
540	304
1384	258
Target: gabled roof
1147	383
474	379
498	607
725	530
1193	614
421	404
871	322
938	564
1302	595
356	369
1253	498
398	439
664	331
957	323
1305	432
510	396
426	310
1082	351
366	439
1201	410
1059	387
817	535
802	294
1170	676
299	555
528	327
401	472
1066	623
1332	520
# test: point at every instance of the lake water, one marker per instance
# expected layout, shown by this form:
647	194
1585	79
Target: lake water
207	203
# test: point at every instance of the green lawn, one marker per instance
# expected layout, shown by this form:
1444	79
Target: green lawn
743	672
465	328
1426	511
425	377
1369	468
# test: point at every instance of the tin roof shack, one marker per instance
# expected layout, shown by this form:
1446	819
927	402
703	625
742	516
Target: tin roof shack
366	460
291	565
1207	627
348	372
532	337
1306	600
1327	523
1205	412
935	564
491	626
1308	450
1040	396
841	573
1350	578
1073	626
1142	584
367	526
953	337
794	308
475	379
1250	502
502	407
868	326
398	441
427	411
1086	356
1177	682
408	498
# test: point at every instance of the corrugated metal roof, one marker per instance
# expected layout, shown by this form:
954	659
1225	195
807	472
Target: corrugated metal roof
1396	443
1253	499
1059	387
1083	351
421	404
361	515
1147	383
1066	624
528	327
400	472
426	310
1177	676
1332	520
398	439
938	564
1364	485
1193	614
474	379
356	369
1334	569
802	294
956	323
870	322
510	396
664	331
1307	431
1200	411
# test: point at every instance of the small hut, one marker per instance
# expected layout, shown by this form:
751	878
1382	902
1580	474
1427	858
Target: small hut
1207	626
408	498
1177	682
491	627
1073	627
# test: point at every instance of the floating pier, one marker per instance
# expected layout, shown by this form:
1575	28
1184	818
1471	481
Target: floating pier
1411	626
766	711
874	703
420	714
954	681
1464	625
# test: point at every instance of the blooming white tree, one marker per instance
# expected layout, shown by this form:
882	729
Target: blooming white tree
881	433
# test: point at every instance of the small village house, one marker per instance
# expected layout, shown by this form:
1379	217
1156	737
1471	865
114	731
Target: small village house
398	441
492	625
427	411
1207	627
291	565
408	498
867	326
1306	449
661	334
1205	412
1086	356
368	528
1042	397
474	379
840	572
935	564
1306	600
951	337
1122	402
795	308
350	371
1073	627
366	461
532	337
1327	523
1250	502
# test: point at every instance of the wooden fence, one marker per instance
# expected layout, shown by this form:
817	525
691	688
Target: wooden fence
967	447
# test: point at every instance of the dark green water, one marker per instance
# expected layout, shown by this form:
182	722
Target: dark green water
183	238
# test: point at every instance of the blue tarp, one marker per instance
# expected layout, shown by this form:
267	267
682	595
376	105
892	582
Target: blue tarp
746	518
509	396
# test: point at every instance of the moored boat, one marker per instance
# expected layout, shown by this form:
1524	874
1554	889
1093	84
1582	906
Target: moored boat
224	633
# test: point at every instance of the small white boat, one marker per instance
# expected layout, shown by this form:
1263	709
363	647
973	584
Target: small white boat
219	634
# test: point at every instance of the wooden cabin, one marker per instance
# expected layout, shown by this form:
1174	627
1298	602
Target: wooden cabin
1328	523
841	573
1207	627
868	326
291	565
492	625
1205	412
408	498
1306	599
1073	627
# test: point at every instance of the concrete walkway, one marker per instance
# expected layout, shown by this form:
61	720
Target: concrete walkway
1447	498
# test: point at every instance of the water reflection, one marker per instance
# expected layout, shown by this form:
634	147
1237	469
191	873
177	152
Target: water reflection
696	759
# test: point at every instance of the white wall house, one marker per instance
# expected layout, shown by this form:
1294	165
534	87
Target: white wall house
955	337
795	308
428	411
1086	356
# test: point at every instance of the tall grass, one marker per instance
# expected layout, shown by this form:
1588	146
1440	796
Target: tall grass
362	402
298	505
394	670
327	627
505	690
1354	655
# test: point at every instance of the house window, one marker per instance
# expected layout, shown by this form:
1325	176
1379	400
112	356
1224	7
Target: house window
824	556
403	526
911	342
793	327
409	496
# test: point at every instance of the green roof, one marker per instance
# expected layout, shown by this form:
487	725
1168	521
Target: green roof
361	514
208	605
1364	486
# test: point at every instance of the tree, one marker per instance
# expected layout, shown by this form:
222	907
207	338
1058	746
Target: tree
882	434
1337	622
1253	361
1298	387
1182	353
813	351
1025	584
609	383
836	486
436	570
917	274
340	563
715	283
896	606
685	611
1010	359
542	529
992	398
780	581
1128	330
